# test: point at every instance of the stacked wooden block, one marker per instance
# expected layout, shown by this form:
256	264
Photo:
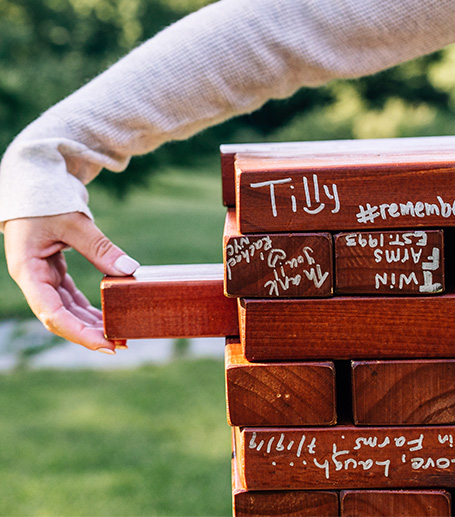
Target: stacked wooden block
339	319
341	385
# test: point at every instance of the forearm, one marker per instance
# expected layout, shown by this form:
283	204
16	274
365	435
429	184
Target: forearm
224	60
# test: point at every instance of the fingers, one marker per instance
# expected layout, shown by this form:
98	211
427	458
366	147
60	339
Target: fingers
82	312
61	314
37	265
77	304
70	287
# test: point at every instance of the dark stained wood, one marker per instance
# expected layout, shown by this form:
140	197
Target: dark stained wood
228	154
278	393
346	193
394	262
345	457
387	503
348	328
168	301
391	149
276	265
403	392
285	503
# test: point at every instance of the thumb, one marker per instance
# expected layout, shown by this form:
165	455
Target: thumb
85	237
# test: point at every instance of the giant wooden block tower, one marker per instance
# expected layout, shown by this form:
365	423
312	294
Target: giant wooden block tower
336	298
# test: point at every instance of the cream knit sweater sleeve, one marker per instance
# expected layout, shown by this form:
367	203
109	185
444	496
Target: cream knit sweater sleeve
226	59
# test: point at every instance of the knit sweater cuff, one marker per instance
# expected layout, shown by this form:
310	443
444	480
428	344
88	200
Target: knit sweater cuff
28	189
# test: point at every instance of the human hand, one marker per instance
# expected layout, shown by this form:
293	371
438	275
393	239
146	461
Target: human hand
33	248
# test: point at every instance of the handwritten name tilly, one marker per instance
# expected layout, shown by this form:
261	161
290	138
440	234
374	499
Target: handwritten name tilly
313	197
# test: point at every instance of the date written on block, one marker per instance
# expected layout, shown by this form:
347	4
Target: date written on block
267	394
276	265
401	392
398	262
345	457
406	503
291	195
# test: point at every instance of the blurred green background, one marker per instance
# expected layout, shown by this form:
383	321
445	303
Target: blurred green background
153	441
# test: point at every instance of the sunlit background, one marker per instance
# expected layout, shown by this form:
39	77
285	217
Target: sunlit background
151	440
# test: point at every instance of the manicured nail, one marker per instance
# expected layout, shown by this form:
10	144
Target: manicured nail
121	347
106	351
126	265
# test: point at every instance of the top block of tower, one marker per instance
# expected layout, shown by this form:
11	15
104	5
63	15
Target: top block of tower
346	185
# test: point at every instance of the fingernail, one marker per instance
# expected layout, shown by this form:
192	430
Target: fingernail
121	347
126	265
106	351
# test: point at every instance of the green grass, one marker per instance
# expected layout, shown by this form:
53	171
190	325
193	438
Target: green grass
177	219
152	441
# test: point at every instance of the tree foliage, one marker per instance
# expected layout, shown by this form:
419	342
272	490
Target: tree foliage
48	48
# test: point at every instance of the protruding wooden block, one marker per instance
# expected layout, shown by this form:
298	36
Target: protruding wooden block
283	194
284	394
403	392
387	503
345	457
392	150
348	328
276	265
168	301
394	262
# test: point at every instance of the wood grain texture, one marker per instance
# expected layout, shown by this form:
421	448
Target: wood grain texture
405	150
286	195
387	503
348	328
285	503
286	393
403	392
345	457
276	265
168	301
394	262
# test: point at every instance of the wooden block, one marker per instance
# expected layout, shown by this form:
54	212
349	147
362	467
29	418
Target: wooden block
228	153
270	394
168	301
392	149
286	503
345	457
403	392
348	328
404	262
276	265
347	193
408	503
